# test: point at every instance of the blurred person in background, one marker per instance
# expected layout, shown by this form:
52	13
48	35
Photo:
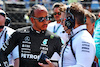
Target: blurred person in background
97	20
87	4
56	26
47	4
5	33
32	40
80	49
90	19
97	39
63	15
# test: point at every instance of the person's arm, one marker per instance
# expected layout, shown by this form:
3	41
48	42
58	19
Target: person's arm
9	45
58	44
3	59
15	54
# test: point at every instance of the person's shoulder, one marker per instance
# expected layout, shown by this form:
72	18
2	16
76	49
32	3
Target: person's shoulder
52	23
85	36
52	34
54	37
24	29
8	29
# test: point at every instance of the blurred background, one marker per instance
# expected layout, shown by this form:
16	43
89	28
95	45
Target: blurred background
17	9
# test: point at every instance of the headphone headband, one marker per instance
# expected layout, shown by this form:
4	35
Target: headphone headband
68	11
70	21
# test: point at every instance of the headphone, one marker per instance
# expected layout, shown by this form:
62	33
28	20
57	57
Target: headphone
70	20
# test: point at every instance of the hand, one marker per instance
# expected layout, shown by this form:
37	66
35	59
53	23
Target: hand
50	64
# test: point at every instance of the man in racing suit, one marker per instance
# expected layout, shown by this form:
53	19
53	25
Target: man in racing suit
32	40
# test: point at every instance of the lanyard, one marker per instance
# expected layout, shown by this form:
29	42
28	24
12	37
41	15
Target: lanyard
4	32
67	44
5	36
55	30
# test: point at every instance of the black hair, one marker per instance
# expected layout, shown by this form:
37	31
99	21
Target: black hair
31	11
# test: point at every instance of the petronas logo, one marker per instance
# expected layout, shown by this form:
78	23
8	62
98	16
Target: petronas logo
45	41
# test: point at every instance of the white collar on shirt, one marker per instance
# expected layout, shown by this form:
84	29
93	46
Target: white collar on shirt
78	29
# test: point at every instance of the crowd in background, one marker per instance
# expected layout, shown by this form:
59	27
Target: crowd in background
22	6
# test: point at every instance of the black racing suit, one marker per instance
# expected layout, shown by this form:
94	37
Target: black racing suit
31	44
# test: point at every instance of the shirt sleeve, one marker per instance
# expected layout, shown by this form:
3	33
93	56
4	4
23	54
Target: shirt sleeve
84	53
9	45
58	45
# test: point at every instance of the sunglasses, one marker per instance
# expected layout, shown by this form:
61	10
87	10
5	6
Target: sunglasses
41	19
57	13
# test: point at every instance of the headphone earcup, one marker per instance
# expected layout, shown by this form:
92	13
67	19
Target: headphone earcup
69	22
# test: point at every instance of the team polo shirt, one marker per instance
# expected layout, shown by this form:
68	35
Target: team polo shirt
84	48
